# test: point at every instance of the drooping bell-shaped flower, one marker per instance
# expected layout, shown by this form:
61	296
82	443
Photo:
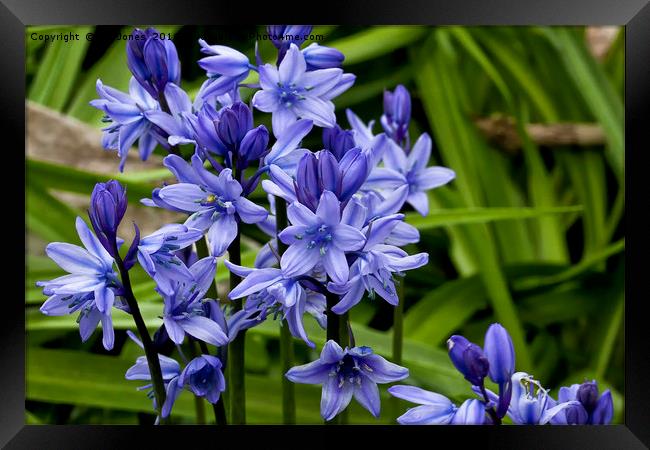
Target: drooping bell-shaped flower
468	358
346	373
436	409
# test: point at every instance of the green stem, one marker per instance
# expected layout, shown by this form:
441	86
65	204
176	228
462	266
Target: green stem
150	352
236	348
398	338
286	339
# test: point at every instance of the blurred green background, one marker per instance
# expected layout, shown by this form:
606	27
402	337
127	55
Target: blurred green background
530	233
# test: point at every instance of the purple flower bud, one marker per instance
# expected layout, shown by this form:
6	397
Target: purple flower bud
152	61
397	113
500	353
468	358
588	395
320	57
107	207
233	124
254	144
338	141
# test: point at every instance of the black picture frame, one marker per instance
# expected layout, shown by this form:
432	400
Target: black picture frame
634	14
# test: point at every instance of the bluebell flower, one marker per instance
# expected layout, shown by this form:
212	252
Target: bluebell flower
157	254
225	68
89	288
318	237
592	408
353	372
152	61
530	404
187	311
375	265
436	409
321	57
286	152
268	290
500	353
108	204
215	202
177	124
397	115
126	114
469	359
377	205
170	369
282	36
202	376
290	92
400	169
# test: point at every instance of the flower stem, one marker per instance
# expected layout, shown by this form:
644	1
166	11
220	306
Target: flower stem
286	340
150	352
496	420
236	348
398	338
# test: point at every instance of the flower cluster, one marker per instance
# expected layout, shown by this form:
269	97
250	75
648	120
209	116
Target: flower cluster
521	397
335	223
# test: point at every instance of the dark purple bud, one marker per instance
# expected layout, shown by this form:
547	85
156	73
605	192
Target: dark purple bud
320	57
354	171
152	61
397	113
576	415
275	32
338	141
602	414
107	207
254	144
329	177
500	353
588	395
233	124
307	181
468	358
155	57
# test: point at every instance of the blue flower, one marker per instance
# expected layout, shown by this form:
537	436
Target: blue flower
177	124
126	114
321	57
202	376
214	202
152	61
353	372
291	92
376	262
157	254
530	404
412	171
592	408
318	238
286	151
469	359
108	203
225	68
436	409
268	290
89	288
185	309
170	369
397	114
500	354
338	141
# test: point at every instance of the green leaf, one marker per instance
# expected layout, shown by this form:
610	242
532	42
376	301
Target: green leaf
56	176
48	217
456	216
376	41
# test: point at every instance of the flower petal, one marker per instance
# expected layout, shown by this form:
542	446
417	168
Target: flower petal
298	260
73	258
336	265
380	370
222	233
204	329
249	212
314	372
184	196
367	394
